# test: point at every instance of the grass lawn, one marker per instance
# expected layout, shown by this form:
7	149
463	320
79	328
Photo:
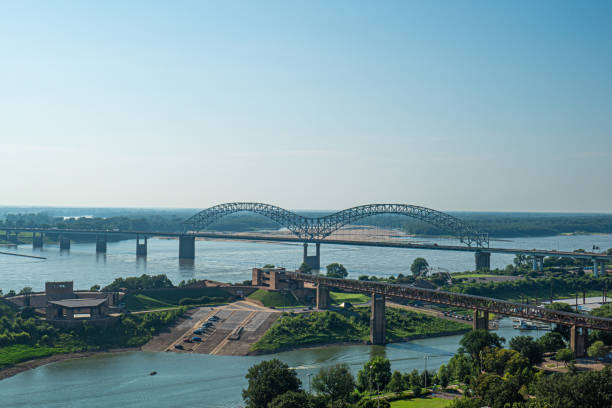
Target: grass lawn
161	299
274	298
20	352
339	297
421	403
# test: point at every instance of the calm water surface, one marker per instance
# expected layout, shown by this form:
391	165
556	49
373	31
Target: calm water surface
232	261
123	380
216	381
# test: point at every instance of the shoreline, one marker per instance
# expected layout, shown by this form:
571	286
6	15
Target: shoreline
38	362
356	342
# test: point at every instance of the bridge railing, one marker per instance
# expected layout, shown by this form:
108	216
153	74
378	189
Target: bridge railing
498	306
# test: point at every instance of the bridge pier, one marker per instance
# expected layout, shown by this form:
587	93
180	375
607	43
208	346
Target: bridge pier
483	260
141	249
13	238
101	244
538	263
37	240
579	337
314	261
322	297
378	323
186	247
596	267
64	243
480	322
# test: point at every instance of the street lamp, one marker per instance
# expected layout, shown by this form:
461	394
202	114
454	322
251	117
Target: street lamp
309	389
426	358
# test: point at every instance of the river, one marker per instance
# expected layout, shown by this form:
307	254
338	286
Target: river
216	381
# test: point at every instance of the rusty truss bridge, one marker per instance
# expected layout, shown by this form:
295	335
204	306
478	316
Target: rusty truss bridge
478	303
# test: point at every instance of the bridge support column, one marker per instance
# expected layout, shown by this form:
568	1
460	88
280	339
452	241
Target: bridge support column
534	265
101	244
596	267
322	297
37	240
14	238
314	261
141	249
541	263
480	322
578	340
483	260
186	247
378	323
64	243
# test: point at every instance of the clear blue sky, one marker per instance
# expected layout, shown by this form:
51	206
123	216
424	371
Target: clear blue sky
454	105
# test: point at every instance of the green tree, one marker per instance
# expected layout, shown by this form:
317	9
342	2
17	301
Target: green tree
597	350
461	367
375	374
465	402
528	348
25	291
591	389
397	384
305	268
443	375
566	355
95	288
416	379
373	403
267	380
291	399
336	270
334	383
419	267
551	342
475	341
268	266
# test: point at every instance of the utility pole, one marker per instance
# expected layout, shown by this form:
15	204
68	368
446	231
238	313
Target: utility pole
426	358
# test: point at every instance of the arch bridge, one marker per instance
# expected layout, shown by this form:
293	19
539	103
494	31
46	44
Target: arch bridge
319	228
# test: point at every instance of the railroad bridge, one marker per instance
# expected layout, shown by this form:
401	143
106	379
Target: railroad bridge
481	306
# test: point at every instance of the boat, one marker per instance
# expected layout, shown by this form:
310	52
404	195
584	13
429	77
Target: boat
528	325
153	373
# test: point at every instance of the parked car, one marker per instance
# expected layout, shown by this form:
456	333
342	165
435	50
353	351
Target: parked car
187	340
179	347
198	331
196	338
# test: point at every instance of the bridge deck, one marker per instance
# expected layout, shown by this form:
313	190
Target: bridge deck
237	237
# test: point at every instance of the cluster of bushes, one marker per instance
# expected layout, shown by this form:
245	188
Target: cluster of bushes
141	282
295	330
539	287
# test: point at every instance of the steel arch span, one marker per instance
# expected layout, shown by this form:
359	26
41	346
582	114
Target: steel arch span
321	227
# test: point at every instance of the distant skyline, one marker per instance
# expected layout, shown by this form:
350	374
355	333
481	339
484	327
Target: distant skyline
461	106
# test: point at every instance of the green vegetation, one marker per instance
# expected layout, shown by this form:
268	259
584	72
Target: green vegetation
341	297
540	287
421	403
139	283
278	299
26	338
174	297
336	270
419	267
298	330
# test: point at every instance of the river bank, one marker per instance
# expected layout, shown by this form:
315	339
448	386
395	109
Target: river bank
31	364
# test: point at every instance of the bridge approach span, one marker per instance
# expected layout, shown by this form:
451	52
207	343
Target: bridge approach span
319	228
479	303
